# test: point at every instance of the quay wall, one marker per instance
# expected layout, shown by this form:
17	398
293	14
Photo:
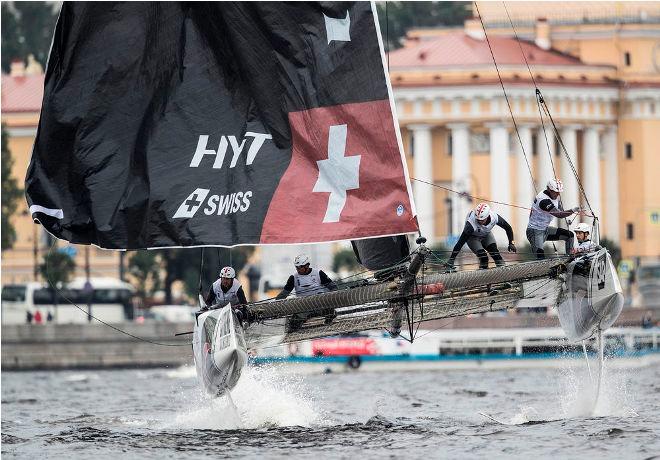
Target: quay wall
79	346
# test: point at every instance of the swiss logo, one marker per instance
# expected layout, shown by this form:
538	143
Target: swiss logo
191	204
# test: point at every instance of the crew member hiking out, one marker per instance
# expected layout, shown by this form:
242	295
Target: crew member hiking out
584	244
477	234
307	281
544	208
227	289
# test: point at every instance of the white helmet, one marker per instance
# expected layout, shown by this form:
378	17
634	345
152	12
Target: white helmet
482	211
301	260
227	272
582	227
555	185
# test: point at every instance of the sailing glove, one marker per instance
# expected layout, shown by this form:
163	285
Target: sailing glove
576	209
512	247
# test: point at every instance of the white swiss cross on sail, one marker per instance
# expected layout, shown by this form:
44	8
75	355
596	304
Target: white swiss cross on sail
338	173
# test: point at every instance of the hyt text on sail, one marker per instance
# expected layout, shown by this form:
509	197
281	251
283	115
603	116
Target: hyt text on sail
221	204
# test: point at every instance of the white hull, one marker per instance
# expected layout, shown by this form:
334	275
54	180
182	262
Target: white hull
592	298
219	350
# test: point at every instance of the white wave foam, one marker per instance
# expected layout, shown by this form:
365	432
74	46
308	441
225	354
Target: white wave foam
182	372
263	397
81	377
578	396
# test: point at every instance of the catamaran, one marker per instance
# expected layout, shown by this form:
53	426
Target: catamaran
175	124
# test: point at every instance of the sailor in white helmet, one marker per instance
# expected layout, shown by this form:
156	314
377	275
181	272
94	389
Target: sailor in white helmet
307	281
477	234
582	231
227	289
544	208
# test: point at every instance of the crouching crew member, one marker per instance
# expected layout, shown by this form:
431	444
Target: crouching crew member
307	281
477	234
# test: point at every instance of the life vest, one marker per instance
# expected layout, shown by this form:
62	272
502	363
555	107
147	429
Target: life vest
586	246
482	230
538	218
231	296
309	284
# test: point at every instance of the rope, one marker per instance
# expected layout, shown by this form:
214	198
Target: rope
542	104
142	339
506	98
582	213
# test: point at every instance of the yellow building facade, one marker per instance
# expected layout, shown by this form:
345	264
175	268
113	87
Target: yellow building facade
599	75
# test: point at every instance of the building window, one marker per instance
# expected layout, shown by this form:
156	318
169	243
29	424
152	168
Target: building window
411	144
626	58
630	231
480	143
450	145
628	151
534	146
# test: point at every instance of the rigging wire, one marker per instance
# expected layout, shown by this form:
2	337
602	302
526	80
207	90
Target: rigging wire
474	197
506	98
542	107
541	103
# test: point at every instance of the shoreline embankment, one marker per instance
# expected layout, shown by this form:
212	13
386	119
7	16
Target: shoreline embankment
97	346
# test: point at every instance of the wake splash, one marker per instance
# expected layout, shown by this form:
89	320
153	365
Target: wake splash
263	398
580	394
586	391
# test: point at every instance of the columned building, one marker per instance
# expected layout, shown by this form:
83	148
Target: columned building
459	133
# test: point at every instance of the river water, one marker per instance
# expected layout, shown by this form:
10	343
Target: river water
161	413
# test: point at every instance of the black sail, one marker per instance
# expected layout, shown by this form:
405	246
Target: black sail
217	123
381	253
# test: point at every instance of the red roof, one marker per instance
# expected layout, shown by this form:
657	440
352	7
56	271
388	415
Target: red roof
458	49
22	94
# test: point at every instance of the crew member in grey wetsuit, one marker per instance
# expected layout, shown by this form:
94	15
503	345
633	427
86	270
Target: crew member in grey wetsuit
544	208
307	281
477	234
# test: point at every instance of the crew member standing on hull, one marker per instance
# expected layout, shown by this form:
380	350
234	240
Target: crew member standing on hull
477	234
544	208
307	281
227	289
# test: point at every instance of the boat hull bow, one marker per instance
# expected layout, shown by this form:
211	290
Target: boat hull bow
219	350
592	297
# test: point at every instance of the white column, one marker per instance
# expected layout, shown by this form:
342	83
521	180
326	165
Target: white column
591	168
612	180
460	173
545	160
500	177
423	170
525	190
571	195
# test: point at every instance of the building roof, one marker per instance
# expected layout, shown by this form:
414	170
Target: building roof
459	49
22	94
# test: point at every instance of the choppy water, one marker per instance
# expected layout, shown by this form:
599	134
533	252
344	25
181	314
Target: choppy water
162	414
